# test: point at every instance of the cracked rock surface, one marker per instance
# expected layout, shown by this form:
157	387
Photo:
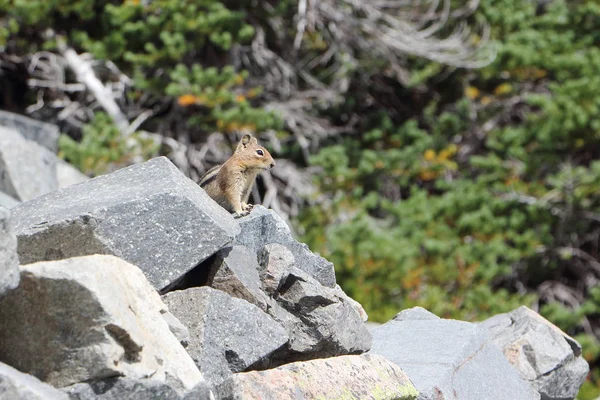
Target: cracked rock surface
544	355
89	318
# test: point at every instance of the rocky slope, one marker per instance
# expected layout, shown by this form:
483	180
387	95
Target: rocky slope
136	285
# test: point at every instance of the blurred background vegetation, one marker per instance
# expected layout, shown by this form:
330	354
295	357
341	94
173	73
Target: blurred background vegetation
443	156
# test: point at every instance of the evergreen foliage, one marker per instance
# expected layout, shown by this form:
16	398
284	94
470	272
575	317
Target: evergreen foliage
488	196
467	192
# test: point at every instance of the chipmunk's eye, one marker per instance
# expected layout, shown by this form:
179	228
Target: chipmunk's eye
260	152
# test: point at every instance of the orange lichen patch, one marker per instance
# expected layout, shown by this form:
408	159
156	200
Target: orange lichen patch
186	100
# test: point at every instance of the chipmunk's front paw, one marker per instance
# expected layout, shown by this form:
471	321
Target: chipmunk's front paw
240	214
247	207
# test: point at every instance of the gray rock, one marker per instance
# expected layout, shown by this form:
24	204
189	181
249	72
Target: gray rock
90	318
9	261
149	214
355	304
415	313
262	227
40	132
132	389
235	271
448	359
544	355
227	334
275	262
67	175
15	385
346	377
178	329
122	389
27	170
8	201
202	391
321	321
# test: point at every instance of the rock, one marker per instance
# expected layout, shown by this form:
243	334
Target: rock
544	355
275	263
9	261
227	334
25	180
262	227
177	328
353	303
202	391
8	201
42	133
321	321
90	318
415	313
132	389
346	377
149	214
235	271
448	359
67	175
122	389
15	385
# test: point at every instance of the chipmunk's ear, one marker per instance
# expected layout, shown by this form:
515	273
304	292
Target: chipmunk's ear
246	140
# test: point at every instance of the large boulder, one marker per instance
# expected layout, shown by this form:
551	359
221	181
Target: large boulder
27	170
9	261
321	321
346	377
15	385
262	227
544	355
449	359
149	214
42	133
227	334
90	318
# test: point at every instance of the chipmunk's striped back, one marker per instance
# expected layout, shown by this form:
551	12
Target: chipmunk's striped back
209	176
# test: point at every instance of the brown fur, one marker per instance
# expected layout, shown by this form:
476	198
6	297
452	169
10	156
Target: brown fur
230	184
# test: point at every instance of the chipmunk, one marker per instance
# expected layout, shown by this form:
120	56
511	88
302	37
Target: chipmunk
230	184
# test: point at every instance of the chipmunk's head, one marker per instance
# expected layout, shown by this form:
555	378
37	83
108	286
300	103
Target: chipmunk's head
254	155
